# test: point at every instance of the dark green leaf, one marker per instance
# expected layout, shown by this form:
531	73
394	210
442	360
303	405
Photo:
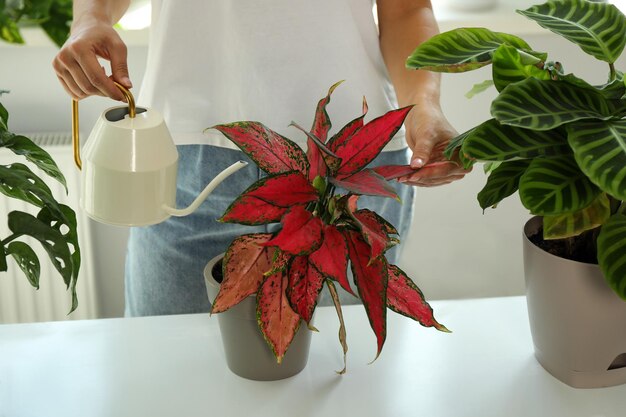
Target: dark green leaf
612	253
3	260
57	25
9	30
27	260
600	150
4	117
460	50
18	181
573	224
502	182
598	28
492	141
554	186
544	105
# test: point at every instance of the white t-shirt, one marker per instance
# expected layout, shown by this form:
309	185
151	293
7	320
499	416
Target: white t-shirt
220	61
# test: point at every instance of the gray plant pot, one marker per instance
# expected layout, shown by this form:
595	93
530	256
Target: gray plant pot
247	353
578	323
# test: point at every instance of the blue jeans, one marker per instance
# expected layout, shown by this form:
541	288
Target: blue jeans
165	262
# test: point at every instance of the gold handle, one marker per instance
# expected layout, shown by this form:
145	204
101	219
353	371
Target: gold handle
75	136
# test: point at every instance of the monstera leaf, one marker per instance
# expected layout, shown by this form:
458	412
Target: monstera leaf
598	28
612	253
600	150
461	50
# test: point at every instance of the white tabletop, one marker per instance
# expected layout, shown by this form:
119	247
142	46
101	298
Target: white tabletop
174	366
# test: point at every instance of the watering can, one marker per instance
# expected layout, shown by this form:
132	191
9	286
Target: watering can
129	166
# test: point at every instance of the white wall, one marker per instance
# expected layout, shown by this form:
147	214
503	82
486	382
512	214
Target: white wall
453	250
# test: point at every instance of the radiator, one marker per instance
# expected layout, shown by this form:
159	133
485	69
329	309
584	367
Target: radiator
19	301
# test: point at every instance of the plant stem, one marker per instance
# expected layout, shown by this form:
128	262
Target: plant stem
8	239
612	72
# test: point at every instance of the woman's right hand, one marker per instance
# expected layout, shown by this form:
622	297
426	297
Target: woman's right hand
77	66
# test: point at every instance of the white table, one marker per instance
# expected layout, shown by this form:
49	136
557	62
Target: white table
173	366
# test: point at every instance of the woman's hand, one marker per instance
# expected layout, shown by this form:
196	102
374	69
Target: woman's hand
428	133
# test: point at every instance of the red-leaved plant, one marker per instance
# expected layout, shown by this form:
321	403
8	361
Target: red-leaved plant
321	232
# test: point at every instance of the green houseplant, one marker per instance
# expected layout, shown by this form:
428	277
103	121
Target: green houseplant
53	225
320	232
554	137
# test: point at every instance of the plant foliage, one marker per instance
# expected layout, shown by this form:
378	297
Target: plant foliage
53	16
559	140
322	232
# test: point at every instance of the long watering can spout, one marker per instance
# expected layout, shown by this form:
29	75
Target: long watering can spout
205	193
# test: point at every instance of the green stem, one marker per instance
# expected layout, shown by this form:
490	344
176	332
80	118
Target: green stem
612	72
9	239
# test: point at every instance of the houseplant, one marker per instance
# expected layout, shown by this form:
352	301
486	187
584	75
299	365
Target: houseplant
321	231
54	224
560	142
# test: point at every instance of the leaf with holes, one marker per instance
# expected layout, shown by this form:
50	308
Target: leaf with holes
461	50
545	105
553	186
600	150
597	27
404	297
612	253
301	233
492	141
369	141
272	152
245	262
366	182
370	277
572	224
331	259
502	182
27	260
278	322
18	181
304	285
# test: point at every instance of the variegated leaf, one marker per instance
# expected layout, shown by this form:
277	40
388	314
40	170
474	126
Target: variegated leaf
277	321
612	253
345	134
375	231
304	285
492	141
342	327
330	160
597	27
573	224
369	141
545	104
370	277
272	152
404	297
460	50
554	186
502	182
301	233
510	65
391	172
245	262
331	259
366	182
321	122
600	150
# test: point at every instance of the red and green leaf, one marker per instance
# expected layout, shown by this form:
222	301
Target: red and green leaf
366	182
342	325
278	322
244	265
331	161
321	123
369	141
301	233
374	230
272	152
344	135
268	199
370	278
331	259
305	284
391	172
404	297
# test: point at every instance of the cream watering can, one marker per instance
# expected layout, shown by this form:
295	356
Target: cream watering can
130	167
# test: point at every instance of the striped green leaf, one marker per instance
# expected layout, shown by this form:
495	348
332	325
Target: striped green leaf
460	50
544	104
598	28
502	182
492	141
612	253
454	145
600	150
572	224
479	88
511	65
553	186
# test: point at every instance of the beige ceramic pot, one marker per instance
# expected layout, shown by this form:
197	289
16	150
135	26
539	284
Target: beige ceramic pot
578	323
247	353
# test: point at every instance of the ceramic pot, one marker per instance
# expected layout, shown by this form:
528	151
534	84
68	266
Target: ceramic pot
247	353
576	320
